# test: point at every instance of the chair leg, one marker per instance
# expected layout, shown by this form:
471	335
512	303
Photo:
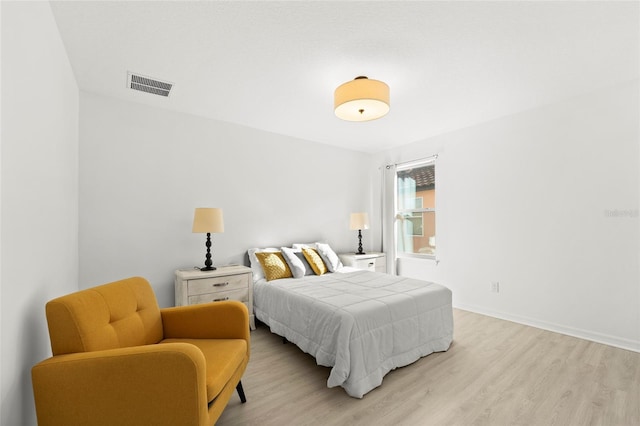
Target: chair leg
243	399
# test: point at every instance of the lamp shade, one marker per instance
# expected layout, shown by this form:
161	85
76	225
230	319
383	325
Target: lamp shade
361	99
359	221
208	220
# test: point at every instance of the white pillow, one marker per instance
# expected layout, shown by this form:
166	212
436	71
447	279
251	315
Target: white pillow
300	246
256	267
295	264
329	256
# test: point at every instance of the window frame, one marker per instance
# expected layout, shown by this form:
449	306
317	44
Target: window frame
400	168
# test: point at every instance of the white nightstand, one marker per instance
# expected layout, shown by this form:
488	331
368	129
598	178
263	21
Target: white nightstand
371	261
225	283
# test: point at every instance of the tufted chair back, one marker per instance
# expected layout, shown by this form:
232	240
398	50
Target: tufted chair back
115	315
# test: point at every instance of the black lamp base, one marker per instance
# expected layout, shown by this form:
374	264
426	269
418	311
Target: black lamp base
208	268
208	263
360	243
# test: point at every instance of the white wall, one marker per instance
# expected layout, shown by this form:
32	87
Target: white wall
526	200
143	171
1	394
39	193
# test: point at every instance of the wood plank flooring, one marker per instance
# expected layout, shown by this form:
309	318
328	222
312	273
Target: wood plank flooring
495	373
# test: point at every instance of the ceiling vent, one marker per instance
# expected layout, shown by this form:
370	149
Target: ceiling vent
148	84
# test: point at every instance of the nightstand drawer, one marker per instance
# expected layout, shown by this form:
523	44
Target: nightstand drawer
209	285
241	295
376	262
366	264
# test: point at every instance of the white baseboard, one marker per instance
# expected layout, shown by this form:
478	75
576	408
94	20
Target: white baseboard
627	344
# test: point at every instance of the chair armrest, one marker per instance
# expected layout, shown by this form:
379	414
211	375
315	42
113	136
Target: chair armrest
153	384
215	320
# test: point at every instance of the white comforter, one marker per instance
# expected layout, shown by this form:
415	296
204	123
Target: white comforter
363	324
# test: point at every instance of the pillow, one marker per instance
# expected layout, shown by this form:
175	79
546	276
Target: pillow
314	259
298	246
298	269
329	256
256	267
308	270
274	265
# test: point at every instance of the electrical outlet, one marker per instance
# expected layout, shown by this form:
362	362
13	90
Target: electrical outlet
495	287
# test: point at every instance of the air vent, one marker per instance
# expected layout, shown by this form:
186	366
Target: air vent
148	84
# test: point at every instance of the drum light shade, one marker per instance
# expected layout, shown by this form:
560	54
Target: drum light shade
361	99
208	220
358	221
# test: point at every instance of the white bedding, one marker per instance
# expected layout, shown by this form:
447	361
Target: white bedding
363	324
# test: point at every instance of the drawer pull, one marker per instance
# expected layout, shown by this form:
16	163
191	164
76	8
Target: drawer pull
371	263
221	299
224	284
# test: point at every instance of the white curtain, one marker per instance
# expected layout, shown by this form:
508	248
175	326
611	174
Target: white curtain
388	216
406	200
406	193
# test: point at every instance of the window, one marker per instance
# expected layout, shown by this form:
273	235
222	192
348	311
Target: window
415	209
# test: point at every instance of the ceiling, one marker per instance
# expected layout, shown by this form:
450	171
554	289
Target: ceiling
274	65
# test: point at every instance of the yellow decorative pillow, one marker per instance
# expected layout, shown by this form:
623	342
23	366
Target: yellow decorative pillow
274	265
314	259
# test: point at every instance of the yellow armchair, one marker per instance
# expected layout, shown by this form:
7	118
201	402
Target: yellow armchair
120	360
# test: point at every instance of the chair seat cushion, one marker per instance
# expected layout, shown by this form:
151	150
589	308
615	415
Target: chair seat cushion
222	356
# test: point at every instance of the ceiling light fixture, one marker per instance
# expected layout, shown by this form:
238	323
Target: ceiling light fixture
361	99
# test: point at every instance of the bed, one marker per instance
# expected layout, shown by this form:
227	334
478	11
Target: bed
360	323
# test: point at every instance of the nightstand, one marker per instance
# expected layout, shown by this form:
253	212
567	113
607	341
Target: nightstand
371	261
193	286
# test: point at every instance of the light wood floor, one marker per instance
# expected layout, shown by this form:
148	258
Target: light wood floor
495	373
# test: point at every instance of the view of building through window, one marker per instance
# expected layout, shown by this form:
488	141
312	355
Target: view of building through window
416	209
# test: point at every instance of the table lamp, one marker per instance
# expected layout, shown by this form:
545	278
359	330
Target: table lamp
359	221
208	220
